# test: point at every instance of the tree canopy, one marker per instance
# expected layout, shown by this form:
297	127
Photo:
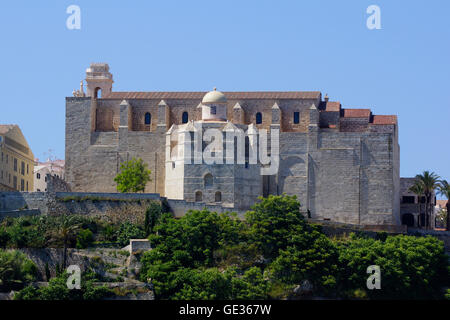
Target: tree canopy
133	176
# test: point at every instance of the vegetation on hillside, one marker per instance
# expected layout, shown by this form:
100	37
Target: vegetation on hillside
205	255
273	253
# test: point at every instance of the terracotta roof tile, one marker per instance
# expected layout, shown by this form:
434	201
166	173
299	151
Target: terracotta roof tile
384	120
333	106
197	95
356	113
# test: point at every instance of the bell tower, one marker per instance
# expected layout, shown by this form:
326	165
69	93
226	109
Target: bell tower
99	80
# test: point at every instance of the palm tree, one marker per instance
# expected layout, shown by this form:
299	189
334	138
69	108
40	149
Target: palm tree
430	182
68	225
417	189
444	190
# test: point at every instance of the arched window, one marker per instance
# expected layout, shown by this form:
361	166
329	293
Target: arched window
185	117
98	93
148	118
296	117
208	180
198	196
258	118
218	196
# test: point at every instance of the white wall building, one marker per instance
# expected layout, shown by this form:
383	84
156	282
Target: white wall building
52	167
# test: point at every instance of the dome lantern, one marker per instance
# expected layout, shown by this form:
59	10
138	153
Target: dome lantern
214	106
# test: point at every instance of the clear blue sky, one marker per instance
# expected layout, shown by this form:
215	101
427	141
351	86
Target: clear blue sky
402	69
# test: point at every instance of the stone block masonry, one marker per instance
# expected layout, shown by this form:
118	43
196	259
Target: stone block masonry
113	207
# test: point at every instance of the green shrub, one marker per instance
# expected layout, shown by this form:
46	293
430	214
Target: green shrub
411	267
85	238
15	269
57	290
152	216
129	231
4	238
109	233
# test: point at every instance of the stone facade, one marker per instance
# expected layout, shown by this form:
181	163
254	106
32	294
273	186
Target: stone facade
343	164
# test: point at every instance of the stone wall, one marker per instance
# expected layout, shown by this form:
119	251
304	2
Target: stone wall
56	184
116	207
180	207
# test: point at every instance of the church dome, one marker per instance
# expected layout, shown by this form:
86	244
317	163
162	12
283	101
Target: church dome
214	97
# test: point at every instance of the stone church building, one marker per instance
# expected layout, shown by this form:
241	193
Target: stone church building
343	164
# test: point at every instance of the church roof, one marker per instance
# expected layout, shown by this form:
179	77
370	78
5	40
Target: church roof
384	120
356	113
234	95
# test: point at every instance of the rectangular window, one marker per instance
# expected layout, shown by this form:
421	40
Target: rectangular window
7	158
15	182
296	117
22	167
28	171
27	186
213	110
408	199
15	165
22	185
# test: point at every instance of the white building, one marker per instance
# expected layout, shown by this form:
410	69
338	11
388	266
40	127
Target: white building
52	167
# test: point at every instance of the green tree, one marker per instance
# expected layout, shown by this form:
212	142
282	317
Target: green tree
67	227
152	216
429	182
133	176
311	256
272	223
129	231
444	190
250	286
15	269
411	267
